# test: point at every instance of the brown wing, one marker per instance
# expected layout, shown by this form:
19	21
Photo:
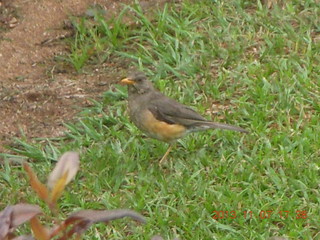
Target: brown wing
170	111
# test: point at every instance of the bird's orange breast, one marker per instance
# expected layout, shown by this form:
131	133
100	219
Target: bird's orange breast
159	129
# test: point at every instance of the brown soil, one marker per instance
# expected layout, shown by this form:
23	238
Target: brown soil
35	99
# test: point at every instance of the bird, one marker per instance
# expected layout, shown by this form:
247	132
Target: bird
161	117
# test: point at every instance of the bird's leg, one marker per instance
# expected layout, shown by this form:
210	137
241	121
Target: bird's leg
166	154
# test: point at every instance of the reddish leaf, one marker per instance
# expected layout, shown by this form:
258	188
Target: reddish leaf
5	220
67	165
157	237
83	219
39	231
39	187
23	238
77	228
23	212
57	229
103	215
278	238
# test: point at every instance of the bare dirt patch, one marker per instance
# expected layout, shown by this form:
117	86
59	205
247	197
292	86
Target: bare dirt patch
34	99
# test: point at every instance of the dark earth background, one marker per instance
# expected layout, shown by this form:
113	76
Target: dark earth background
36	95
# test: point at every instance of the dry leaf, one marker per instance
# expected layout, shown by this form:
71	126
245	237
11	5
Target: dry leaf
68	164
39	187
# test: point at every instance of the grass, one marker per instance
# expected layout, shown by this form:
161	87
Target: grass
234	61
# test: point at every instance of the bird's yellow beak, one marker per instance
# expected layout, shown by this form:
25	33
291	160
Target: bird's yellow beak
126	81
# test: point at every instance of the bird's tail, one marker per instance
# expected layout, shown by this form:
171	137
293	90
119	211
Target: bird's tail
208	125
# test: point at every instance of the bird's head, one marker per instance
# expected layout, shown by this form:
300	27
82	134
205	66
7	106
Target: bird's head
137	82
